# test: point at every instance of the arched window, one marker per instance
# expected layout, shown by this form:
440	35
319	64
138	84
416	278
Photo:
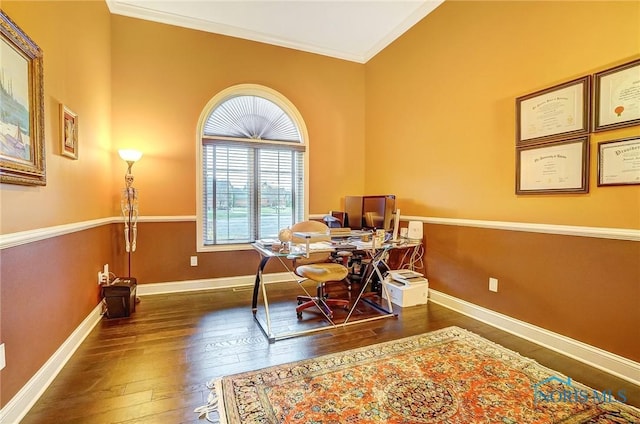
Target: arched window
252	166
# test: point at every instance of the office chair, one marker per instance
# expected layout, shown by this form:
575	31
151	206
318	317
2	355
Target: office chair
316	267
336	219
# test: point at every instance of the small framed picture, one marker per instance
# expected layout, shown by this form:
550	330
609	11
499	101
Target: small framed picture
555	167
554	113
68	132
619	162
617	97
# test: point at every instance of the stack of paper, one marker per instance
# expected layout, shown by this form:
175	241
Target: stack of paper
406	276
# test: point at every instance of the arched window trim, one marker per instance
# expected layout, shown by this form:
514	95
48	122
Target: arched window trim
233	91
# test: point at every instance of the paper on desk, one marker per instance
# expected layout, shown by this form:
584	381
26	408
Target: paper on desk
313	247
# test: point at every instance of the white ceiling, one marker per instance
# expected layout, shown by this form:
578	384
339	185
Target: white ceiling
354	30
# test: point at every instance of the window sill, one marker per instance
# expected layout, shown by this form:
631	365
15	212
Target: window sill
224	247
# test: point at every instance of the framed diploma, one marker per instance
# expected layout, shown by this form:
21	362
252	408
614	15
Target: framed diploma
558	112
619	162
555	167
617	97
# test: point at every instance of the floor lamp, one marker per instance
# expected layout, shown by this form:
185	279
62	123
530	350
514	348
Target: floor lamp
129	204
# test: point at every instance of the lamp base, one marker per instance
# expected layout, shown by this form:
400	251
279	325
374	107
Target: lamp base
120	297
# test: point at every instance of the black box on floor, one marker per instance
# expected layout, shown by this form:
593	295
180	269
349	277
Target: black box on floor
120	297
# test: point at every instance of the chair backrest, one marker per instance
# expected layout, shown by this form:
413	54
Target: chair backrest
323	235
311	227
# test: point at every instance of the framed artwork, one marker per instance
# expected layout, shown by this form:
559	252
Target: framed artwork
619	162
554	167
22	158
68	132
617	97
557	112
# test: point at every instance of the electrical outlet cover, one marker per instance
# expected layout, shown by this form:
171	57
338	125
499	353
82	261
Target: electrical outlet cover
3	362
493	284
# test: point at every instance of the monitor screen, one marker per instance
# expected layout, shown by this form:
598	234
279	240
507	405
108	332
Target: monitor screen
370	211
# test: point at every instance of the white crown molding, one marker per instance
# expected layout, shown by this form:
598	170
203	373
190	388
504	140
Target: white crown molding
409	22
140	12
606	361
28	395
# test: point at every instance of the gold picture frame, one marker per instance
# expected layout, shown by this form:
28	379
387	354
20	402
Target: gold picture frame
68	132
22	153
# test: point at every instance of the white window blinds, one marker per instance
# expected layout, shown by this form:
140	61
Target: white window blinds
253	172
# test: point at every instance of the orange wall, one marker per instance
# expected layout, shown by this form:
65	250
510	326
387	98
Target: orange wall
48	287
584	288
75	39
42	305
163	76
441	107
436	108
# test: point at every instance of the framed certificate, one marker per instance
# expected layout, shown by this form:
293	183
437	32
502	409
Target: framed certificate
619	162
555	167
617	97
558	112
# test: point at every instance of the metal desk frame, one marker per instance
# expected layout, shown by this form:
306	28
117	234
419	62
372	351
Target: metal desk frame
377	256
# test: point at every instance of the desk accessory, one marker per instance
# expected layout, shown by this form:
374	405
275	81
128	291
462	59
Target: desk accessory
415	230
406	276
396	225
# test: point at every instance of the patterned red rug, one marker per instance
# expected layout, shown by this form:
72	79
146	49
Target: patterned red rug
446	376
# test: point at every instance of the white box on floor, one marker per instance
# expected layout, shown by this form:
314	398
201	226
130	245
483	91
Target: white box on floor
406	295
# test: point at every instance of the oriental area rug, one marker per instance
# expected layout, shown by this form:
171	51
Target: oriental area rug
446	376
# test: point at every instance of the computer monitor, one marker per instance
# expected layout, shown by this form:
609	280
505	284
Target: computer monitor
371	211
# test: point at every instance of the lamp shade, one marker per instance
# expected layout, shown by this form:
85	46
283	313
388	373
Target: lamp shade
130	155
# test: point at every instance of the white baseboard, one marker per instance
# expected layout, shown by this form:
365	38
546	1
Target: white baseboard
22	402
591	355
208	284
609	362
606	361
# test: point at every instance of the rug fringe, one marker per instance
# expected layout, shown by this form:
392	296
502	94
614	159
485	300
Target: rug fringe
214	404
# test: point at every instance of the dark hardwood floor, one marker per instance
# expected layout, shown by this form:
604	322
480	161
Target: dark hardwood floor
152	367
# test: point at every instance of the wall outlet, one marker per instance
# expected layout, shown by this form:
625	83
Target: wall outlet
103	276
493	284
3	361
194	261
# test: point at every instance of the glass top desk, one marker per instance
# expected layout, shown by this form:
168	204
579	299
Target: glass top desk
261	309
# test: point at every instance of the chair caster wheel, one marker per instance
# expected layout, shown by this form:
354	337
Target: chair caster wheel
299	315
